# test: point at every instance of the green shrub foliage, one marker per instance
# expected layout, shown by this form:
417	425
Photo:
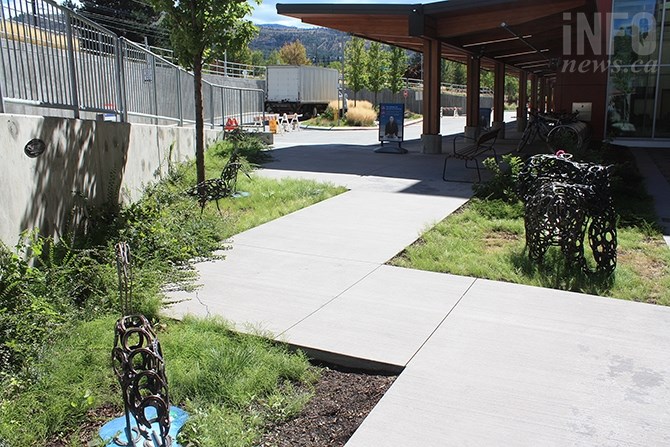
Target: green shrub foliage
502	186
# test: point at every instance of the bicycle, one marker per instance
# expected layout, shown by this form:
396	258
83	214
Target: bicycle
546	126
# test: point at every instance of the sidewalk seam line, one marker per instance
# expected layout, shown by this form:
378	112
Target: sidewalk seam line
329	301
441	322
279	250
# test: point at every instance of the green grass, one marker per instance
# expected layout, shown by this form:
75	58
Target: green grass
231	384
485	239
55	369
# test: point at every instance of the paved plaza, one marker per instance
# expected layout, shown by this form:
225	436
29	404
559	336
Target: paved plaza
482	363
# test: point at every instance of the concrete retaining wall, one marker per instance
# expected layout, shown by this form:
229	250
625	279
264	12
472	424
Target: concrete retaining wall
85	163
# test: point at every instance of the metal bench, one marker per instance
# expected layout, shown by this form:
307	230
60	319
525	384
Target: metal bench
218	188
481	145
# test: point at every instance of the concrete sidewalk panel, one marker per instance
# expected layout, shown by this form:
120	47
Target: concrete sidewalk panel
268	289
386	317
525	366
357	225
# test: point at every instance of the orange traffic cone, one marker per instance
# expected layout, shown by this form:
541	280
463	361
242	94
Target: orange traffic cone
235	123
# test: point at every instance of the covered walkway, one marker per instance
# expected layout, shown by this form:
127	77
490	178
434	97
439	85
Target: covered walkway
520	37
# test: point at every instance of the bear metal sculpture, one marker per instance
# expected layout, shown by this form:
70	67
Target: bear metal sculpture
564	201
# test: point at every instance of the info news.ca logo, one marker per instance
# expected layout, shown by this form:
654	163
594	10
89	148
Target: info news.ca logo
629	43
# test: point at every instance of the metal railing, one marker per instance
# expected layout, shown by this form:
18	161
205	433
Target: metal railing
218	67
54	59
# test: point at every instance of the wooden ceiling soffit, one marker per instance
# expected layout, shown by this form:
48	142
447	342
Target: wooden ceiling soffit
488	37
460	25
421	25
357	24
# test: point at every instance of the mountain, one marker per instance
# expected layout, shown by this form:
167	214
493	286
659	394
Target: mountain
322	44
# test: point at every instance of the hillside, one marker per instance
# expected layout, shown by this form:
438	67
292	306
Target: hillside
322	44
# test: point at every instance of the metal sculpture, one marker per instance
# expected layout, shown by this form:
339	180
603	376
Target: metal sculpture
564	202
138	364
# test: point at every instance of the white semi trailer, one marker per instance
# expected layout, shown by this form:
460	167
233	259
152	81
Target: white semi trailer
300	89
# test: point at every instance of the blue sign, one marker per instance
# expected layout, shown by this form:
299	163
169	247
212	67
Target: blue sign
391	122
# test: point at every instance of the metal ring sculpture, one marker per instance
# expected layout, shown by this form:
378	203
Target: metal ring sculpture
138	364
564	202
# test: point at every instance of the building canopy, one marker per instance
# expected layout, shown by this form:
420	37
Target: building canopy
525	34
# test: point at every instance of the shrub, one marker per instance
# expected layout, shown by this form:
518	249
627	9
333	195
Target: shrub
361	116
363	105
331	111
502	185
249	146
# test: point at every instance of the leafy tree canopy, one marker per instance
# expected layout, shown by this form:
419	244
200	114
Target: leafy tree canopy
294	53
203	30
131	19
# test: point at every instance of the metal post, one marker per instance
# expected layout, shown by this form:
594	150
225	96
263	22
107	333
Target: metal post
224	94
225	63
2	98
155	84
70	59
240	107
122	104
211	105
180	114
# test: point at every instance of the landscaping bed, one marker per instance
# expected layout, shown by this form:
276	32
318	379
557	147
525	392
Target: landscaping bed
486	239
59	301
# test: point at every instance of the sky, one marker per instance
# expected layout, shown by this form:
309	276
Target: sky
266	12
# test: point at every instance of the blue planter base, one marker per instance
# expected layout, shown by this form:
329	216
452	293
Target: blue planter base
113	433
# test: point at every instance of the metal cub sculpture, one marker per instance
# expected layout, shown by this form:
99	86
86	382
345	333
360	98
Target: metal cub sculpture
564	201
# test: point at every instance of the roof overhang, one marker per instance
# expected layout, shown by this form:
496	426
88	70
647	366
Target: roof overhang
531	38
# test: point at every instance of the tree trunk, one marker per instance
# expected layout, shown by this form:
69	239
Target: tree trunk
199	120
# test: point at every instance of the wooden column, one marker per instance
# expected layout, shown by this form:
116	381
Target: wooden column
542	94
431	138
522	109
499	99
532	99
472	100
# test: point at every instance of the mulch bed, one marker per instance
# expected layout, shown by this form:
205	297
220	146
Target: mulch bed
341	401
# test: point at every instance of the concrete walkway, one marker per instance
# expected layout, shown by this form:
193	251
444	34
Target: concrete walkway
483	363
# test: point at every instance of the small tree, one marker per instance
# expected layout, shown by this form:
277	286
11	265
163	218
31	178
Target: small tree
273	58
355	57
511	88
294	53
376	65
200	31
460	74
397	69
487	79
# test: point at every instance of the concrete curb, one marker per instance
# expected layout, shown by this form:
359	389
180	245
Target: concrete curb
303	126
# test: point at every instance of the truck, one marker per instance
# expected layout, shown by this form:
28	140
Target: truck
300	89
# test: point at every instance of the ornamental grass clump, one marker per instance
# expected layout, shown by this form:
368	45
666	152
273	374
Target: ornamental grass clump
361	116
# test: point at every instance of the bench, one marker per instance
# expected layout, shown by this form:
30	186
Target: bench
218	188
481	145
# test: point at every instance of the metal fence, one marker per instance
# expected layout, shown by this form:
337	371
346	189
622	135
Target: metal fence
56	61
218	67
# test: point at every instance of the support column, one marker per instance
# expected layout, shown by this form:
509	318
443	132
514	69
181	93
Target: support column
472	99
542	92
499	99
522	109
532	99
431	138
